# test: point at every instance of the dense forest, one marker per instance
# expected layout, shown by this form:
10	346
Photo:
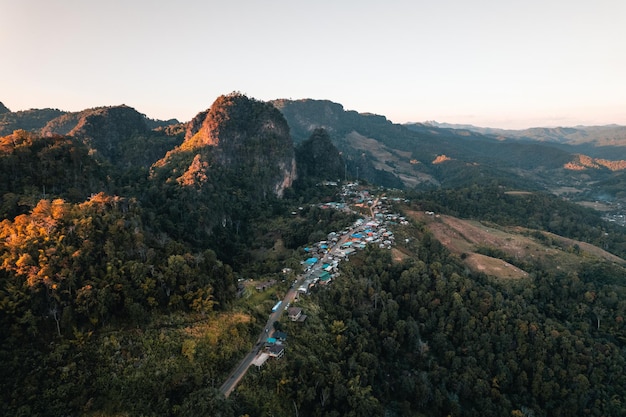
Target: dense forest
425	338
127	281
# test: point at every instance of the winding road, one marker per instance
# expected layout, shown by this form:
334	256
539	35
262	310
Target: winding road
240	370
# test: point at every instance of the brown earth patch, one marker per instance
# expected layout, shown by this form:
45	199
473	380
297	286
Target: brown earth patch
398	254
466	238
390	160
494	266
517	192
596	205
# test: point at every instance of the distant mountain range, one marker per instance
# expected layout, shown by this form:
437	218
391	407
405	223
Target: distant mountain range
414	155
442	155
608	135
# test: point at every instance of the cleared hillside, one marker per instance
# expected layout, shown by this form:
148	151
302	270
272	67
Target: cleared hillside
509	253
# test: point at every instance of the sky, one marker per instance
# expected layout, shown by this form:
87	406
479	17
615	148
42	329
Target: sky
509	64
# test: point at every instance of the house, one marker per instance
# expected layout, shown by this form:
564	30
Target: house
280	336
322	275
347	252
262	286
294	313
276	351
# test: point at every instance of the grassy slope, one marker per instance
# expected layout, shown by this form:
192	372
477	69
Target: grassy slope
520	246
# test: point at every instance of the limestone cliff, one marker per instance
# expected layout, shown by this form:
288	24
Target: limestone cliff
245	137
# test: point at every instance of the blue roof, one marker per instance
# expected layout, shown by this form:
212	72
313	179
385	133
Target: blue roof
324	276
357	235
311	261
271	340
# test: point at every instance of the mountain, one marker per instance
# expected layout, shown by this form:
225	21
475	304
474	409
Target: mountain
317	158
102	129
4	109
576	162
599	135
118	135
597	141
419	155
240	135
236	158
30	120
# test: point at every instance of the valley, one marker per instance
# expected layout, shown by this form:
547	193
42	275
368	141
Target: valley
140	259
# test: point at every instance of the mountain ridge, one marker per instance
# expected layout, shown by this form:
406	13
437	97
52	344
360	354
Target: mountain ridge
602	135
374	148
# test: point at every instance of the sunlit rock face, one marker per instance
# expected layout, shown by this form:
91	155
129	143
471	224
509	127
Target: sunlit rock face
248	137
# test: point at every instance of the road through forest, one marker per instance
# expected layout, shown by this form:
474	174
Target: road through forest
240	370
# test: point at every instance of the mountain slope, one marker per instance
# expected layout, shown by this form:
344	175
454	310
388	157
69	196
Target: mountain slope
505	252
118	135
4	109
398	156
241	135
30	120
597	141
317	157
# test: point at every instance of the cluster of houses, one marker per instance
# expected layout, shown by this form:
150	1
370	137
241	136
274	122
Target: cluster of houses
323	257
375	231
274	347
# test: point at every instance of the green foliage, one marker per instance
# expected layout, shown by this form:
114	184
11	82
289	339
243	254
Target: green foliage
535	210
86	265
424	338
34	167
318	159
30	120
118	280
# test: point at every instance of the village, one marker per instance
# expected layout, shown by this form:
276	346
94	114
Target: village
321	264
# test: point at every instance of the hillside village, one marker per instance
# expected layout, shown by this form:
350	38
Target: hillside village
123	245
321	265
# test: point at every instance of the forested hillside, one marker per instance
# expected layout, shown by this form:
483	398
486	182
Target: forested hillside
139	262
425	338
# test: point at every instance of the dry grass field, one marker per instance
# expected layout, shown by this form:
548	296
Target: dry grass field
468	238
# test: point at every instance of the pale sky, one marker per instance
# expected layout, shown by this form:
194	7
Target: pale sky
509	64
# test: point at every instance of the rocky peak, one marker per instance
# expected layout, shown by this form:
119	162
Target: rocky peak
248	136
110	124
